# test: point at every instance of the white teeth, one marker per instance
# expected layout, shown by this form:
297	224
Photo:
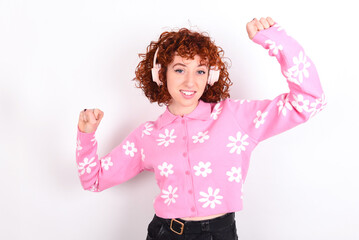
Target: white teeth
187	93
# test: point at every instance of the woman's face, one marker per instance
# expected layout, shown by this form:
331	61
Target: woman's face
186	81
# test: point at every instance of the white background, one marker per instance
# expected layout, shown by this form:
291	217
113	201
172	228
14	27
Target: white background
58	57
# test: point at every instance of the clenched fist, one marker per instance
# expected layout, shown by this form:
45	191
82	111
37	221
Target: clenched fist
89	120
255	26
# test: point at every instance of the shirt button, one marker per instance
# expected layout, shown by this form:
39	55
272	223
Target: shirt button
184	138
184	154
193	209
182	121
190	191
188	172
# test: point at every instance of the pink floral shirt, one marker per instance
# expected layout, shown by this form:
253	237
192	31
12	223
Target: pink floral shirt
201	160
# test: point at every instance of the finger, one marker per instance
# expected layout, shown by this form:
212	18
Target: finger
250	25
83	114
259	25
98	114
95	112
270	21
90	116
253	22
101	115
264	23
81	122
252	28
81	117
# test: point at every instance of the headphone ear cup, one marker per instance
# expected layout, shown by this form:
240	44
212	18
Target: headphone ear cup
213	76
155	76
155	70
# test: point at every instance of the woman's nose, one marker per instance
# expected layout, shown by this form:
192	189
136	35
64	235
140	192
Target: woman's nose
189	80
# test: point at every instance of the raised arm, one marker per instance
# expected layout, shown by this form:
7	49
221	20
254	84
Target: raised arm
122	163
264	118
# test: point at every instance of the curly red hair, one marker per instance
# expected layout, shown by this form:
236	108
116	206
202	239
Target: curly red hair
187	44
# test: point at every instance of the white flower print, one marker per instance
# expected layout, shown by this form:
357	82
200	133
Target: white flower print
278	26
238	144
235	174
200	137
289	77
86	165
79	147
142	155
317	106
300	104
147	130
259	120
94	140
170	195
283	105
216	111
244	100
210	199
166	138
106	163
94	187
165	169
273	47
203	169
300	68
130	148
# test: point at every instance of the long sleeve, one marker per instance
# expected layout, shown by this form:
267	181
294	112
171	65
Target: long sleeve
122	163
261	119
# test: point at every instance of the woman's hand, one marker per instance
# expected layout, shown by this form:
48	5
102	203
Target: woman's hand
89	120
255	26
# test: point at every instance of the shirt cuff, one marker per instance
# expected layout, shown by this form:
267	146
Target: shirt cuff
85	137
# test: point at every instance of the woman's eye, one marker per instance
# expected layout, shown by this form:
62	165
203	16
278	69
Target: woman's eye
201	72
179	70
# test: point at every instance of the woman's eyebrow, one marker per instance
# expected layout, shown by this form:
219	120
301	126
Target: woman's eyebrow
184	65
181	64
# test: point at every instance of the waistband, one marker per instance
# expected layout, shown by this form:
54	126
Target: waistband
180	226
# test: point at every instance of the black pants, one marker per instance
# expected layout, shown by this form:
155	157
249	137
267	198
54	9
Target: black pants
220	228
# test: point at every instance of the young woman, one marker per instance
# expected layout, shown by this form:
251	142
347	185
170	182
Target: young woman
199	148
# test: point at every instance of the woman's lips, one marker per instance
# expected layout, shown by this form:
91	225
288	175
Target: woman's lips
187	94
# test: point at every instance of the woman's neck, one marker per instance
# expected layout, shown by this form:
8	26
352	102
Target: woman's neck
181	110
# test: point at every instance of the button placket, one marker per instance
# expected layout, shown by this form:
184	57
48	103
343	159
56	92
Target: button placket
188	174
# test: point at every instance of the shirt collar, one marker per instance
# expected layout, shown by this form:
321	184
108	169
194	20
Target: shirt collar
201	112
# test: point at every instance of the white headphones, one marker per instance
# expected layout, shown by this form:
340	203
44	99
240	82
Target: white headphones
212	77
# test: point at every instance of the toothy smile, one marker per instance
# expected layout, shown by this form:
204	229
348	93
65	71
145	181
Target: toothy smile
188	93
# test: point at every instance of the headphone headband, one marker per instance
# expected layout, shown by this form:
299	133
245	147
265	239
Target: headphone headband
155	58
